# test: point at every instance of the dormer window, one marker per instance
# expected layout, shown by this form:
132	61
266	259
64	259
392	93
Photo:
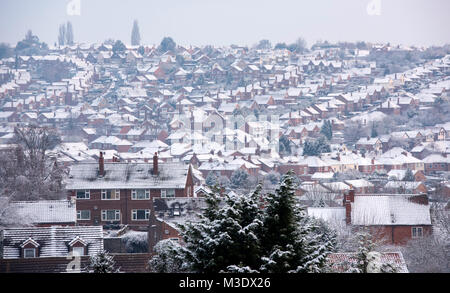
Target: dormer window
29	252
78	246
29	248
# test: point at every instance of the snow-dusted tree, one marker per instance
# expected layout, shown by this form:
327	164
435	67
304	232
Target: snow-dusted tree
135	35
212	179
327	129
168	258
226	237
239	179
135	242
408	176
373	131
368	260
69	34
62	35
291	240
316	147
273	177
27	172
103	262
321	197
427	255
9	217
353	131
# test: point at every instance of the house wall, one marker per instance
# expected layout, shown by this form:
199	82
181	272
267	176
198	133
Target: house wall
125	204
397	235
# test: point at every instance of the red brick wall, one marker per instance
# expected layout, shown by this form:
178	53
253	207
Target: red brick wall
397	235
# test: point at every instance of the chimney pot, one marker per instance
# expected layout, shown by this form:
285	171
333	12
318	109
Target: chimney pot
101	165
155	164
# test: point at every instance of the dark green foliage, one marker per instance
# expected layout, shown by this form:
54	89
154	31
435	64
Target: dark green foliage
316	147
167	44
285	146
327	129
5	51
239	178
119	47
212	179
373	132
264	44
102	263
141	50
135	34
69	34
291	241
280	46
226	235
409	176
30	45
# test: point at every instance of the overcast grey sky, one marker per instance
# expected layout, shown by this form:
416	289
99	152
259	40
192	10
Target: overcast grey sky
224	22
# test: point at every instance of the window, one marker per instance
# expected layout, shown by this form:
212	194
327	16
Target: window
83	194
417	232
29	252
110	215
84	215
113	194
140	194
78	250
140	215
167	192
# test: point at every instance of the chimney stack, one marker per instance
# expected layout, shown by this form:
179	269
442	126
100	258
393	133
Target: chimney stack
348	199
155	164
101	165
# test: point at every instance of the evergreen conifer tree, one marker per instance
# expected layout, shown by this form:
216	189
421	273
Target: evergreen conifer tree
135	34
103	262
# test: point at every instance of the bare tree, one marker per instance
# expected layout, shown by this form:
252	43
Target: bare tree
353	131
9	217
319	196
27	171
427	255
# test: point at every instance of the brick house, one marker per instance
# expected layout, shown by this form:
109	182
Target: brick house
120	193
395	219
435	163
169	211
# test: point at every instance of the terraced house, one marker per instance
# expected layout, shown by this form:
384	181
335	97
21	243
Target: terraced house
117	193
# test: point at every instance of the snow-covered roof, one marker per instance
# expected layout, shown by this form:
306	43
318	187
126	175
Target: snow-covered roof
389	210
52	240
329	214
46	211
127	176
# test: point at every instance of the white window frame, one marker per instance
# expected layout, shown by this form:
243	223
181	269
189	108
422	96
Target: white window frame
414	232
77	248
115	192
79	215
134	214
87	194
135	197
29	249
105	215
164	193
